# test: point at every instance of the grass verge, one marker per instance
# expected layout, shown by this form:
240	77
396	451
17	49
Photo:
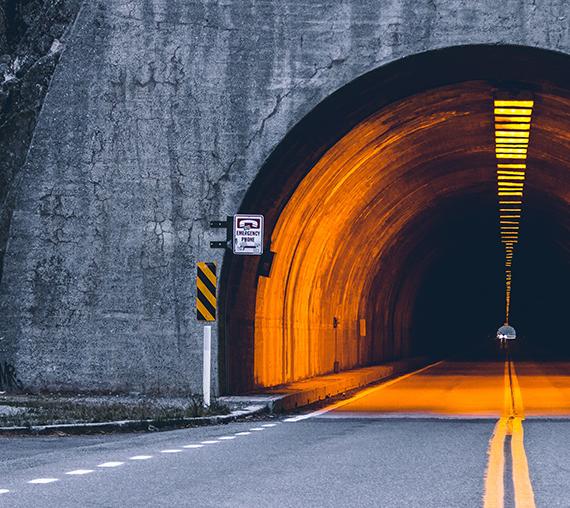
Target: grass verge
50	410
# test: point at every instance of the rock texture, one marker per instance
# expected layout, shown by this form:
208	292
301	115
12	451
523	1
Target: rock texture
158	117
32	37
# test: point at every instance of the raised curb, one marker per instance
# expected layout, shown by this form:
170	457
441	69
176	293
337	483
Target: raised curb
308	392
135	425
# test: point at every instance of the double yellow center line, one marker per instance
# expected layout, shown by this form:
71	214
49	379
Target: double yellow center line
510	424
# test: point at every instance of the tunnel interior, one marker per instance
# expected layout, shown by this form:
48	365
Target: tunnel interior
382	223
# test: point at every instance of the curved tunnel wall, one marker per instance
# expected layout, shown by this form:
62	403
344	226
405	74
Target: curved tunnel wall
360	223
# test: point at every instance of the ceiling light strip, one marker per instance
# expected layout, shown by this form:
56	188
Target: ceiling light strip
512	133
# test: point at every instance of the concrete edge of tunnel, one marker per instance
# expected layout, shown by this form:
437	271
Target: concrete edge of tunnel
136	425
323	388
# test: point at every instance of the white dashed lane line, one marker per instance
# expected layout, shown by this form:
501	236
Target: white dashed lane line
43	480
111	464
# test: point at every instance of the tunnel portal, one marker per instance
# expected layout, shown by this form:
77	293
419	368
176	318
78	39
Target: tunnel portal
382	222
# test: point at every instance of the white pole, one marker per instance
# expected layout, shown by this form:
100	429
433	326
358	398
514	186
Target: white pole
207	363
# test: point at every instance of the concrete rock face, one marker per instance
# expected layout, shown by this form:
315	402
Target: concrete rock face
157	120
32	37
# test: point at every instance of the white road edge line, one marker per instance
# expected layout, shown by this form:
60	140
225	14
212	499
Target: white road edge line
79	472
269	425
141	457
256	429
43	480
111	464
360	395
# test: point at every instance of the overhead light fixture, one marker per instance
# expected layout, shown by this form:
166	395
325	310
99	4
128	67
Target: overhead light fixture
511	166
515	133
512	133
514	104
512	111
510	184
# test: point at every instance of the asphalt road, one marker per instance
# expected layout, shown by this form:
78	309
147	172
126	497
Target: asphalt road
406	456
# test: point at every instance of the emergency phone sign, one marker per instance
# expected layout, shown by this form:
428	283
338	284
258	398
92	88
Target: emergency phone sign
248	235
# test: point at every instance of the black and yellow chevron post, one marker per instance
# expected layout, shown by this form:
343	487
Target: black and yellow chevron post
206	284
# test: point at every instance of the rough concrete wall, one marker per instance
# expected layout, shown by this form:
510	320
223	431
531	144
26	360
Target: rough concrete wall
158	118
32	36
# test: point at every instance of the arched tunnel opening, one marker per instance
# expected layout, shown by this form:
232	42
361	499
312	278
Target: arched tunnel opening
382	223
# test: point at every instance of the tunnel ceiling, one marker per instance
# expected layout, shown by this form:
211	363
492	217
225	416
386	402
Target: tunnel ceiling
393	232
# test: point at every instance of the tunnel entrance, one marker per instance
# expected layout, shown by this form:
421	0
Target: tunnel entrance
381	214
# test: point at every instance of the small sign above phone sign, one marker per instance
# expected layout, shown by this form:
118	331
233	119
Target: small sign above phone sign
248	235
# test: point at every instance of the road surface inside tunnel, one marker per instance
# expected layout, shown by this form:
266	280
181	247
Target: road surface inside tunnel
337	456
462	389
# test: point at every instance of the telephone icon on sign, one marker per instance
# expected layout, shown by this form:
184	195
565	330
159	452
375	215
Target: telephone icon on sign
249	223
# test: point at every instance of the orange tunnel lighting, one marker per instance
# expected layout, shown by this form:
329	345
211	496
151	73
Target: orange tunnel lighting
512	118
510	184
511	141
501	149
513	111
511	134
369	183
514	126
510	155
498	103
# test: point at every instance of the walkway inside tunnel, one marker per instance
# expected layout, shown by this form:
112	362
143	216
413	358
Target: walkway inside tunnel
382	223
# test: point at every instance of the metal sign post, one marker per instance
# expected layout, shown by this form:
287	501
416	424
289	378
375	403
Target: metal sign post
206	303
206	373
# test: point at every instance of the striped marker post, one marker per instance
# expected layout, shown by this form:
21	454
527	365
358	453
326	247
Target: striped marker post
206	304
206	284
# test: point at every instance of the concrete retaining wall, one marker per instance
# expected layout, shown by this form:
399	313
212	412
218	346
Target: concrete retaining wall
159	115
